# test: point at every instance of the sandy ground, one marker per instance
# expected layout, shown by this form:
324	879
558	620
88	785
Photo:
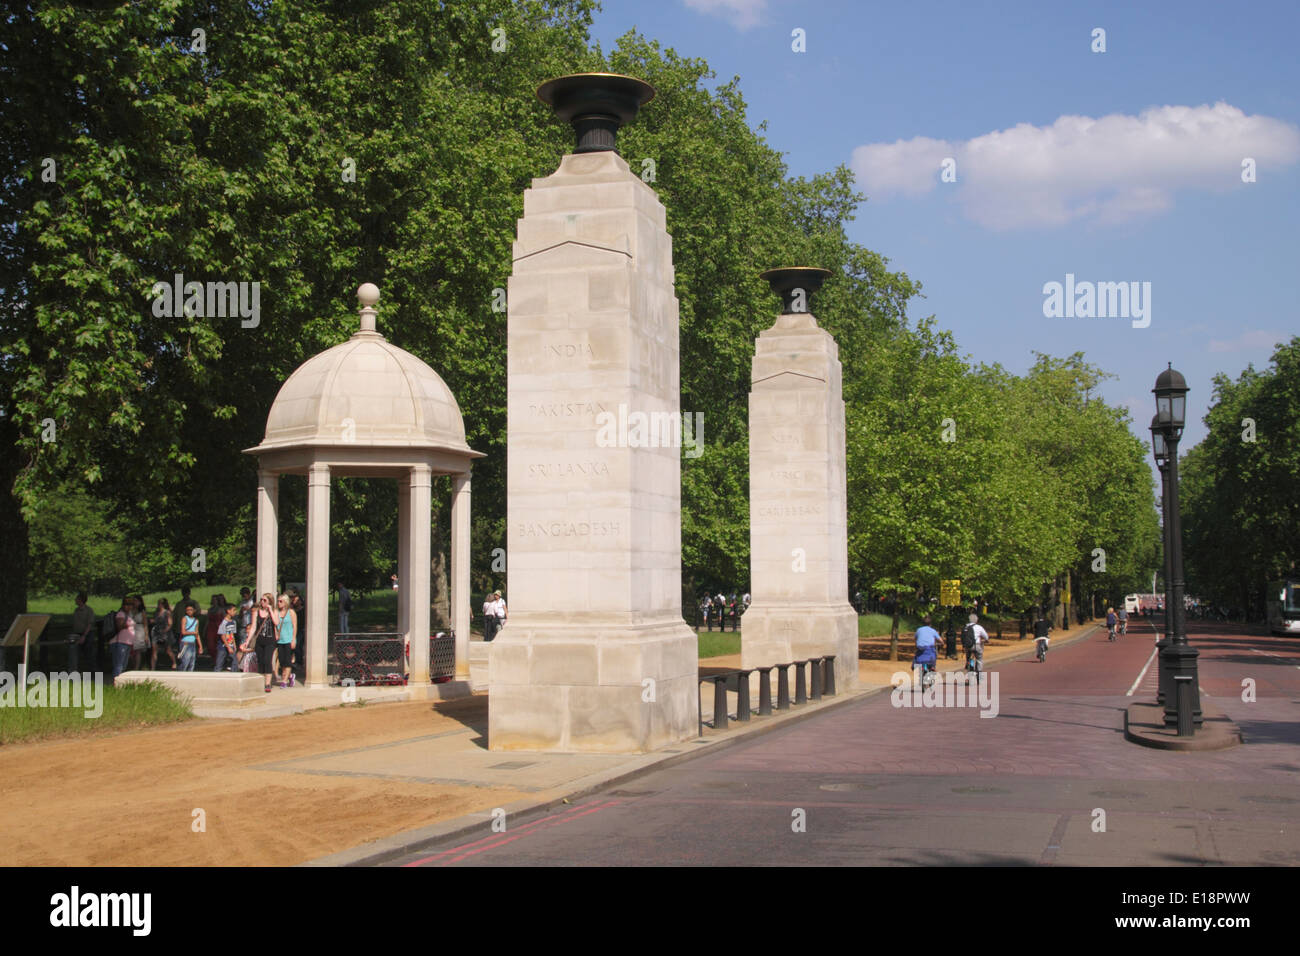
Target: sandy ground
128	798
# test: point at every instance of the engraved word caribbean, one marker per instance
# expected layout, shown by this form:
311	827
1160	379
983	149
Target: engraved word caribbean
651	430
208	300
1100	300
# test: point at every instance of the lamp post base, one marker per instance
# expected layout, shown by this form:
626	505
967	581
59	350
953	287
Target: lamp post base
1183	676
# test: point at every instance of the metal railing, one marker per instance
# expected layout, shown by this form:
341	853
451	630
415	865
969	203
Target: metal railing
814	679
367	659
724	621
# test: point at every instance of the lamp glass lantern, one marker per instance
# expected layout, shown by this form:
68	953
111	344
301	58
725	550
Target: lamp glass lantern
1158	444
1171	399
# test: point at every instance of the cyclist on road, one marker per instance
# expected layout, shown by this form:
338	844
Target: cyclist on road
1112	621
1041	640
1122	613
973	639
927	648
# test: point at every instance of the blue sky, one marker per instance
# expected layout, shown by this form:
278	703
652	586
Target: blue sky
1115	166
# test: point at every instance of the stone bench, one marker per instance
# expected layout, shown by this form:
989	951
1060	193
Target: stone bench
206	688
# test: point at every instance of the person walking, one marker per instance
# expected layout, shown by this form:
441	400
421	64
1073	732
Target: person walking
259	640
498	612
298	605
123	640
286	629
79	639
226	649
161	634
245	609
345	607
141	644
489	617
191	644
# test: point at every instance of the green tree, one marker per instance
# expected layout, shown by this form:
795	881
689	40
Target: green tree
1240	487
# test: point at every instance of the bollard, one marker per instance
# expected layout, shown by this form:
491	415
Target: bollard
782	686
719	703
829	688
800	683
764	691
815	678
742	694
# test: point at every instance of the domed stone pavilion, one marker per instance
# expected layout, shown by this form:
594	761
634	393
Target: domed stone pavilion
367	408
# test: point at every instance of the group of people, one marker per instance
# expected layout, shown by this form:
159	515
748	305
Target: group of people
722	608
1116	621
973	639
494	615
263	637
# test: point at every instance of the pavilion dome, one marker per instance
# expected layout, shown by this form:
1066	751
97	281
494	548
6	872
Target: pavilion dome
368	392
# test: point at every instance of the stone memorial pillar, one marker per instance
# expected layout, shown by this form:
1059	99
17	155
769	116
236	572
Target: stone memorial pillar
798	517
595	657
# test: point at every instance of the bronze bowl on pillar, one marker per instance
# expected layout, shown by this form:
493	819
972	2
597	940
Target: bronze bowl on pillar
597	104
789	280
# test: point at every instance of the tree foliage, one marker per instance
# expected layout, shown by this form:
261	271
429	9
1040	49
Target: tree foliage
1240	487
310	146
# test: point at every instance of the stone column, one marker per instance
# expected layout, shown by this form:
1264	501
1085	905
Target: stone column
460	551
798	518
596	657
318	574
268	533
403	553
416	581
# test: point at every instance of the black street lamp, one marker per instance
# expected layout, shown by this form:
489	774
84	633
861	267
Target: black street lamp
1182	694
1161	450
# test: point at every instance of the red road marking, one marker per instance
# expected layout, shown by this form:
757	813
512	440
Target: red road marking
572	814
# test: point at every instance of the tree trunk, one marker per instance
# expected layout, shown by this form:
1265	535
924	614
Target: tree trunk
13	532
893	631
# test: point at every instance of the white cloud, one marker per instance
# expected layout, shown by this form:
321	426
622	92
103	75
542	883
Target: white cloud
1255	339
743	14
1106	170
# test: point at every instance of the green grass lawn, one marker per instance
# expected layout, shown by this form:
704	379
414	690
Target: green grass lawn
145	704
878	625
718	644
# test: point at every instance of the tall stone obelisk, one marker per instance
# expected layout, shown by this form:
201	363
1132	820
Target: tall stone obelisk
798	517
596	656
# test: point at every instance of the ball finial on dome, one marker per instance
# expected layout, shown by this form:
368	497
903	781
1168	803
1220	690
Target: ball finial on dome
367	295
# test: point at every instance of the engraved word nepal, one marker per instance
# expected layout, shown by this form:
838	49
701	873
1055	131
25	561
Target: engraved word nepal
651	430
1101	300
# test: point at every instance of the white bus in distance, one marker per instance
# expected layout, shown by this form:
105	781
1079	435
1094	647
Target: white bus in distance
1284	606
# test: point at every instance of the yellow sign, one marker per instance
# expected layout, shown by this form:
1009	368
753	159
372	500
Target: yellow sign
950	592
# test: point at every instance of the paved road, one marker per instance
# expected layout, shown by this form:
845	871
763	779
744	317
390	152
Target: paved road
878	784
